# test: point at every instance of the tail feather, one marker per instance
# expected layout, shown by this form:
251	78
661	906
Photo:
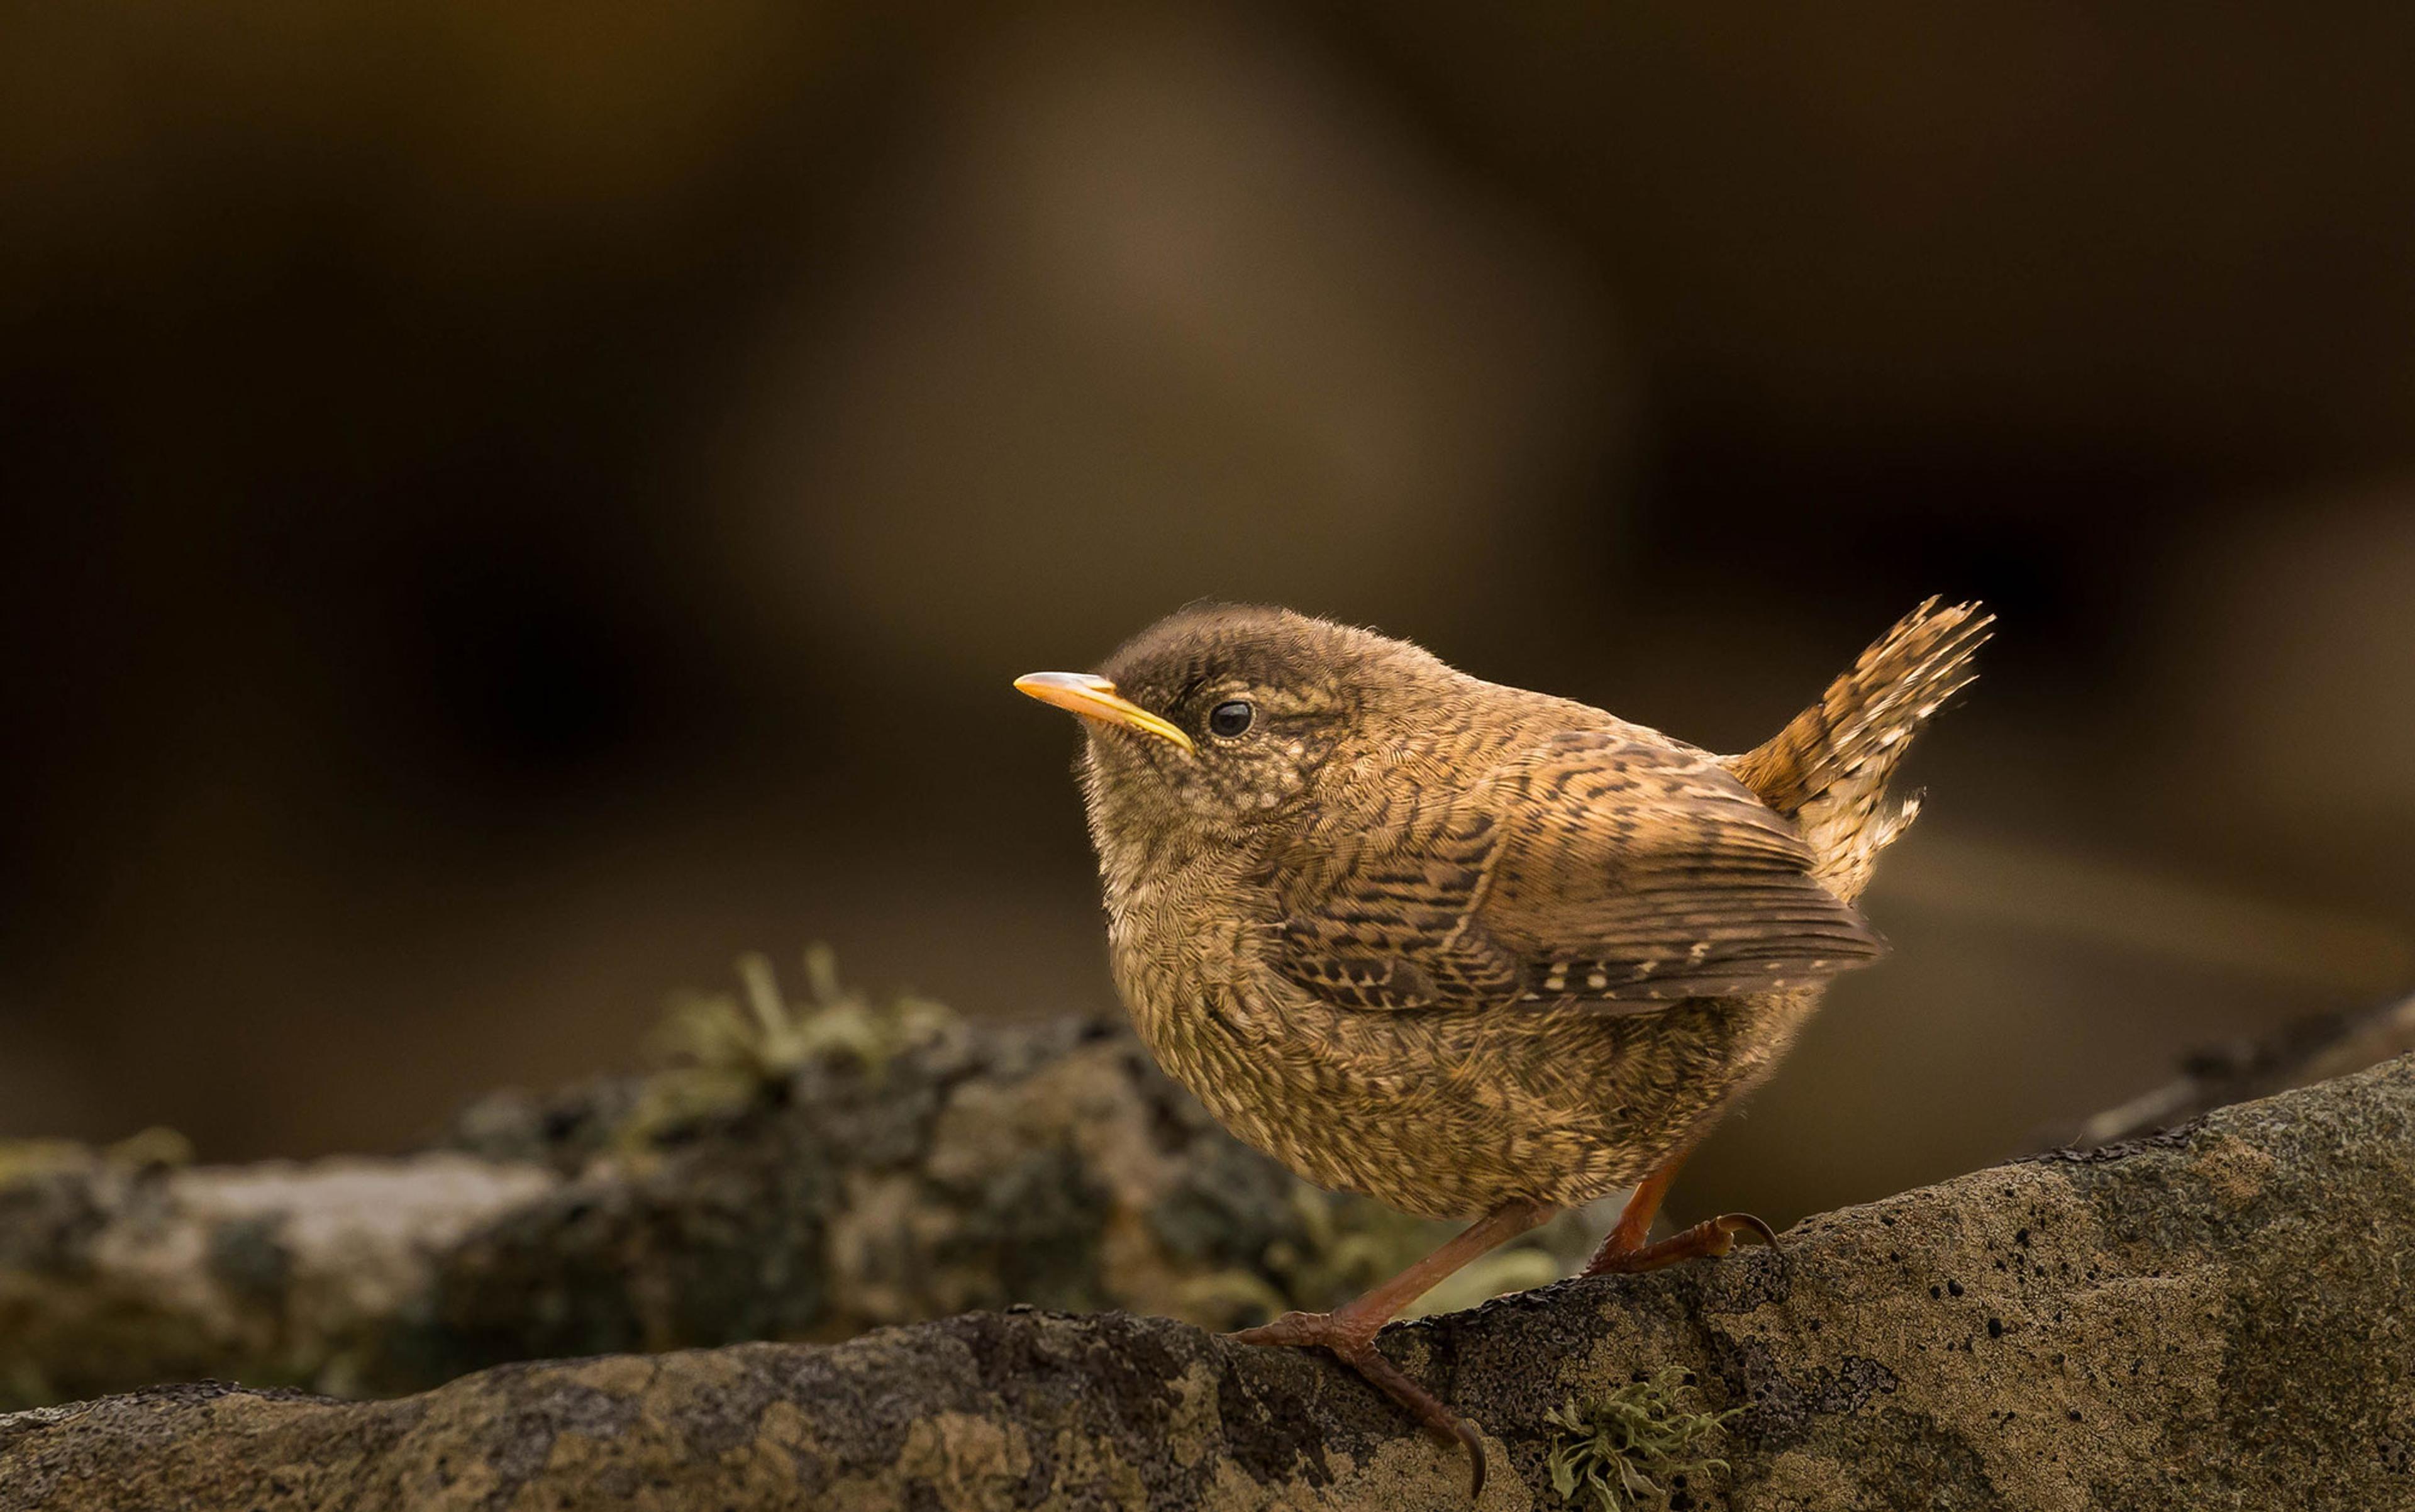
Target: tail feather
1828	768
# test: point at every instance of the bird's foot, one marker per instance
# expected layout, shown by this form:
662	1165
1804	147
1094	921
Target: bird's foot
1353	1342
1712	1237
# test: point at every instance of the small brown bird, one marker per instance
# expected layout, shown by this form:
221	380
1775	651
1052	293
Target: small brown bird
1466	948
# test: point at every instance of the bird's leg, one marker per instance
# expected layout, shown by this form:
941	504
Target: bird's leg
1623	1251
1349	1330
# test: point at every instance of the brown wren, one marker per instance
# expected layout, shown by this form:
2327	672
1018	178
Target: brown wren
1472	951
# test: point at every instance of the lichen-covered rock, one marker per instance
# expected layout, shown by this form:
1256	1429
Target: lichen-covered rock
870	1166
2217	1317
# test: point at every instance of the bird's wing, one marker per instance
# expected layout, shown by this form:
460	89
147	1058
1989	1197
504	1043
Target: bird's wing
1613	867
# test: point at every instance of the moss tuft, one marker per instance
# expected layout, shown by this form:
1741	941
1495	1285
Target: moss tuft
759	1033
722	1053
1635	1447
151	1150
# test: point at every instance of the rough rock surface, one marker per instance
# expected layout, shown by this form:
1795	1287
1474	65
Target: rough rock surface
2213	1317
891	1166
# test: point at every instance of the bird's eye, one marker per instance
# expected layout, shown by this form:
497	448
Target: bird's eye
1231	719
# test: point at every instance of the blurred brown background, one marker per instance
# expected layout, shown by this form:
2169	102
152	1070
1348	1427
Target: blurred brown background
515	503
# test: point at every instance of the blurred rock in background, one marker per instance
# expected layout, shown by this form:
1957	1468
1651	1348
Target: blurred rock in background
795	1166
515	508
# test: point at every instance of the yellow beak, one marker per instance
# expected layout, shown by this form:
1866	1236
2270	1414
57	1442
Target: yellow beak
1095	697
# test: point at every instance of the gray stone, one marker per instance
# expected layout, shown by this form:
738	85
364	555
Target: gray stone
2216	1317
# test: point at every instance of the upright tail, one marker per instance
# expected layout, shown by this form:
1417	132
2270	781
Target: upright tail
1828	768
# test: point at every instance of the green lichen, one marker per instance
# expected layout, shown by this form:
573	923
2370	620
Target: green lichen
151	1150
720	1052
760	1034
1635	1446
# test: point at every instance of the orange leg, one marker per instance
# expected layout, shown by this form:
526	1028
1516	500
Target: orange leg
1349	1330
1623	1251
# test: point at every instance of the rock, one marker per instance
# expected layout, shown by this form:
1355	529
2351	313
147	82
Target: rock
2216	1316
910	1168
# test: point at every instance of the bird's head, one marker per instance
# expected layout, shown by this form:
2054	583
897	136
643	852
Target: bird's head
1222	721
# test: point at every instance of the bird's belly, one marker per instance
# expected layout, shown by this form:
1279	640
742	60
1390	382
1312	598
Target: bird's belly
1447	1114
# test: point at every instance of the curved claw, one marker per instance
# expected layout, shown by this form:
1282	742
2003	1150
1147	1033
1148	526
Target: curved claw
1744	1225
1712	1237
1356	1348
1740	1224
1474	1442
1422	1405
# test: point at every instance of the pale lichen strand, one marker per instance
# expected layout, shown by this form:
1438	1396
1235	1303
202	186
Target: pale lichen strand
1637	1446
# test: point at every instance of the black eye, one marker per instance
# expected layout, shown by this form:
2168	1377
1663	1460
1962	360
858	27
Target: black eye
1231	719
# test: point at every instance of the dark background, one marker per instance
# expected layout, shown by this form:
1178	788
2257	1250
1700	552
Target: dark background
515	503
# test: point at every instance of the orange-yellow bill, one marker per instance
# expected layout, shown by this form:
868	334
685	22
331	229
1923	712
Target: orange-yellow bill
1095	697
